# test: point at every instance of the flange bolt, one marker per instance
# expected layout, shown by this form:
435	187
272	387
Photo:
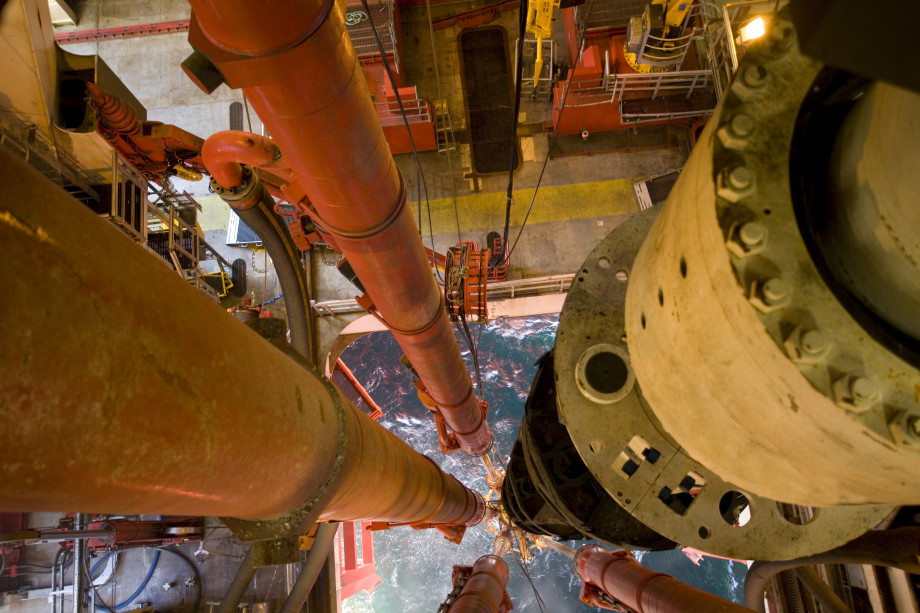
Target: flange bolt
775	290
752	233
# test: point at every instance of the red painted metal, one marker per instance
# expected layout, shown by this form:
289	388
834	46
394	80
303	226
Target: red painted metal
619	575
153	148
356	575
475	17
147	29
465	278
298	69
484	591
375	413
225	151
186	415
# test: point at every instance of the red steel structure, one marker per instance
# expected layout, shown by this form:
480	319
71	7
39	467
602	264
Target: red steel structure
619	575
356	575
297	67
143	414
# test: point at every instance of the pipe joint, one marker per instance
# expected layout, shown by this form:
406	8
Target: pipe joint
366	234
245	194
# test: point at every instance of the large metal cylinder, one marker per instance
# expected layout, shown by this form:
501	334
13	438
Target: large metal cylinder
744	351
484	591
123	390
619	575
307	86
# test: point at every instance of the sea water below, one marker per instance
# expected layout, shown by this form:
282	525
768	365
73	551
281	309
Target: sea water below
415	565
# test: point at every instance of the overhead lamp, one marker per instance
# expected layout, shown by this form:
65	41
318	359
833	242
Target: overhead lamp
753	29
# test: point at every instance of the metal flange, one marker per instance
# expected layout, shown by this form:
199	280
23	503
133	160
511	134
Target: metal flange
636	461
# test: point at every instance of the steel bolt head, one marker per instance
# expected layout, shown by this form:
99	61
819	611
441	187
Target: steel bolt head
914	424
862	389
775	290
814	342
742	125
754	75
752	234
740	177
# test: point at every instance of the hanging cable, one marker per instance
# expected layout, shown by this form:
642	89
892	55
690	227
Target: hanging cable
532	585
552	138
522	29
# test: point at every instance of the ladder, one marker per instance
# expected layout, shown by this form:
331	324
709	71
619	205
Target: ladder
444	129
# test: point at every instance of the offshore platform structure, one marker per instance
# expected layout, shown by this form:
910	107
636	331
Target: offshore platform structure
736	371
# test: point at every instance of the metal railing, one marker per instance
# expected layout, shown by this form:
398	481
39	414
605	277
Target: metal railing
418	110
544	86
501	290
687	82
360	26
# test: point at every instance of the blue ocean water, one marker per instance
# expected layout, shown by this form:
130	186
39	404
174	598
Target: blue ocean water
415	566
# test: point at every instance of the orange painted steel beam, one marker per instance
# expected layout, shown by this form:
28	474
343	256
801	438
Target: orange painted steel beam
108	404
484	591
618	574
376	413
298	69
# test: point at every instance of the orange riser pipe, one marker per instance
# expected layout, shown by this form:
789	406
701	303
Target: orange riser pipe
376	412
297	67
124	390
484	591
618	574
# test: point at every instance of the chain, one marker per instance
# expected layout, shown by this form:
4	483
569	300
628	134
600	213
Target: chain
268	266
449	601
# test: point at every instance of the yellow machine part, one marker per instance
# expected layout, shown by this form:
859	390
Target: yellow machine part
540	24
675	12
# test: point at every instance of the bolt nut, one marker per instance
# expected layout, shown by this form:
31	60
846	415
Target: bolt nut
754	75
736	133
775	291
751	82
856	393
904	427
752	234
735	184
769	295
749	239
807	346
781	37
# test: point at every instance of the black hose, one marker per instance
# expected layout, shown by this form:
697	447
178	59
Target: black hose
239	585
896	548
325	537
286	257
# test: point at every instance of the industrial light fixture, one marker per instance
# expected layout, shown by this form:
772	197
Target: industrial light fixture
751	30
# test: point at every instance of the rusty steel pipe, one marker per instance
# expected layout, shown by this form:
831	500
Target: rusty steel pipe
112	405
484	591
224	153
618	574
308	87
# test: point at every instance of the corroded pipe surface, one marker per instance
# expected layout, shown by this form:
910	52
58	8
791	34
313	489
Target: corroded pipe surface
618	574
484	591
112	404
298	69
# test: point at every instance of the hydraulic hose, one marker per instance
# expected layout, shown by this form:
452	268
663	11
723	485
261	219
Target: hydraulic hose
325	537
897	548
127	601
286	257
